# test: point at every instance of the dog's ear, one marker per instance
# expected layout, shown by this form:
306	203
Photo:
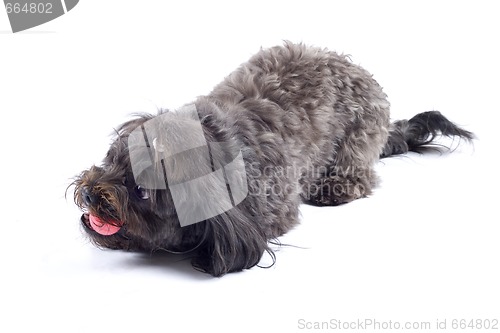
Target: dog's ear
232	243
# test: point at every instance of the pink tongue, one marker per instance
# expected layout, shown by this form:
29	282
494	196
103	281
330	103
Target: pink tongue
104	228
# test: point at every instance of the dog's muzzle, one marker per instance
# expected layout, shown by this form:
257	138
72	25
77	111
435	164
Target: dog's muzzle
105	227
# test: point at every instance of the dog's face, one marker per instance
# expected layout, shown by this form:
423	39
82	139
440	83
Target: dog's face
120	213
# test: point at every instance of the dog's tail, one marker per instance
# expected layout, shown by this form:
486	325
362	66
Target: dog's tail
418	133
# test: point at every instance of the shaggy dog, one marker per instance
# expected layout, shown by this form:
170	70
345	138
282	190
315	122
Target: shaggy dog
223	177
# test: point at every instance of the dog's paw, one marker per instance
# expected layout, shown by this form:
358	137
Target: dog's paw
336	190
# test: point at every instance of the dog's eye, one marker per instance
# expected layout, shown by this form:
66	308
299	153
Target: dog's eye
141	192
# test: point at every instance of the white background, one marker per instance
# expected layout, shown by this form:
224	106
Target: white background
424	247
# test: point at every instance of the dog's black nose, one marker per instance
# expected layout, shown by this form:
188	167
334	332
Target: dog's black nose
88	197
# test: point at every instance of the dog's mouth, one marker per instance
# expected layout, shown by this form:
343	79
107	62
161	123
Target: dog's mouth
102	227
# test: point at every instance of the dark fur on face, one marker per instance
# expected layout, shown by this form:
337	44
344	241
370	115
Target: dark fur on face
309	124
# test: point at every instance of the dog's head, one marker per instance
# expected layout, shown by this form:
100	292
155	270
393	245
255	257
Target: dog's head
119	212
141	201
